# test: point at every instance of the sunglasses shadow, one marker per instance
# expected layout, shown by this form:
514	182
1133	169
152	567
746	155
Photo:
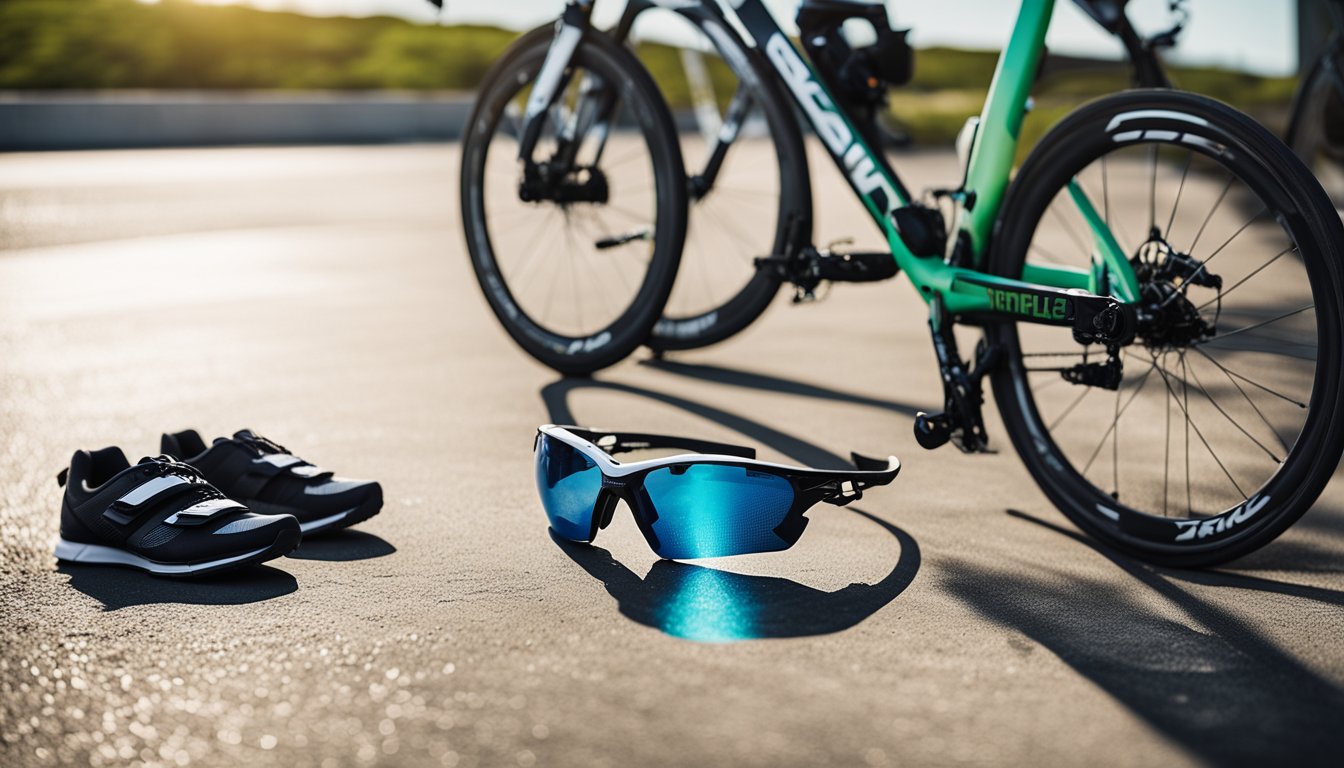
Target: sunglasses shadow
708	605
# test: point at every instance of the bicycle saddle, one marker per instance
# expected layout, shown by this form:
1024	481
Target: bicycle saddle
1107	13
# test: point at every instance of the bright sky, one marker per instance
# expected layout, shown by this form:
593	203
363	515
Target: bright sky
1255	35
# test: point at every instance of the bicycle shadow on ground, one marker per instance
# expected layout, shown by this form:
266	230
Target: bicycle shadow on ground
709	605
750	380
1321	551
694	602
343	545
1213	683
118	588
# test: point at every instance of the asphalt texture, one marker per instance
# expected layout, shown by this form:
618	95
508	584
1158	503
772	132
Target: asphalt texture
324	298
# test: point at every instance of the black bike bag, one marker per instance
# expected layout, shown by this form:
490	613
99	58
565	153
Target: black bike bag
858	74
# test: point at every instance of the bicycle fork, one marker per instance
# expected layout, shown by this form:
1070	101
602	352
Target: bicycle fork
553	77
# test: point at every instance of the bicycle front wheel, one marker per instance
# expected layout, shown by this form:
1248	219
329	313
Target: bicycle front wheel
575	247
1226	425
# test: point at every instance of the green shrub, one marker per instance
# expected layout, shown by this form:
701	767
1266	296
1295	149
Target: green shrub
97	44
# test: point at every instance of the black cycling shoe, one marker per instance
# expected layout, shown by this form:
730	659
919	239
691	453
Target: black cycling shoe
160	516
267	478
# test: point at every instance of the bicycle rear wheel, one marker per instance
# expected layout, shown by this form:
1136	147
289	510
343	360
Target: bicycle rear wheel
1227	423
576	249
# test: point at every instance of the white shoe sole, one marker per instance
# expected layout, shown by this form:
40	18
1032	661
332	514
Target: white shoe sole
97	554
313	525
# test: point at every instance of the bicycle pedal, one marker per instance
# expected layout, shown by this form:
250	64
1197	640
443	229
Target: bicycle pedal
1105	375
862	267
932	431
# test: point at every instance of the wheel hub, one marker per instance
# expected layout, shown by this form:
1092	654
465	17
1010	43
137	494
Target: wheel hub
545	181
1167	318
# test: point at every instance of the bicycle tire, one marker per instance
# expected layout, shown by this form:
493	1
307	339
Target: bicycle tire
793	226
568	353
1304	212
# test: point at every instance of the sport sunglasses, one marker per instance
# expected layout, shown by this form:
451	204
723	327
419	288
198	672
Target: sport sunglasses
715	502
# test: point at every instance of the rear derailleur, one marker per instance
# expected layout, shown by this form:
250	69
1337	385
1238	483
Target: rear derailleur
1098	320
961	421
1095	320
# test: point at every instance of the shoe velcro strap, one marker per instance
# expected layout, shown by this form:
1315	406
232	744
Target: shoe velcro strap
278	460
203	511
307	471
146	496
261	471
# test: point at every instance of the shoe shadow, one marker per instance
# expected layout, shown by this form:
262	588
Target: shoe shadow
708	605
343	545
118	588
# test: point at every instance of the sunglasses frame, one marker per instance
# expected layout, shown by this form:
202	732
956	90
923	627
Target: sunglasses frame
625	482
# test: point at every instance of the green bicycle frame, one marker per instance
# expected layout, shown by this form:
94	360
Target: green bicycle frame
1037	296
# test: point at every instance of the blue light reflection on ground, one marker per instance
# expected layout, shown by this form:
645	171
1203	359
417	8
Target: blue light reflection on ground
709	605
706	606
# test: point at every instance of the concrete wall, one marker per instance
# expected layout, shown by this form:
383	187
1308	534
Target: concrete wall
45	121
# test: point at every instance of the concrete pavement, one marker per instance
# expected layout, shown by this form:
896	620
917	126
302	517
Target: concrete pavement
323	297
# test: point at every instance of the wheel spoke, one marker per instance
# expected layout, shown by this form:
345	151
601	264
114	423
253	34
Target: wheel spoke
1185	285
1078	353
1242	228
1261	324
1119	411
1223	294
1250	402
743	240
1189	157
1050	257
530	254
1250	381
624	157
1115	433
1073	234
1105	194
1166	448
1190	424
1200	386
1189	503
599	269
1069	410
634	215
1214	209
1152	189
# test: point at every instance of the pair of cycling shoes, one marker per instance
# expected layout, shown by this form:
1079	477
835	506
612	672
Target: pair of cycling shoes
199	509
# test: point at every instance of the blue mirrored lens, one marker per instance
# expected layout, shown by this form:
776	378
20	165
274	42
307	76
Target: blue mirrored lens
568	483
712	510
